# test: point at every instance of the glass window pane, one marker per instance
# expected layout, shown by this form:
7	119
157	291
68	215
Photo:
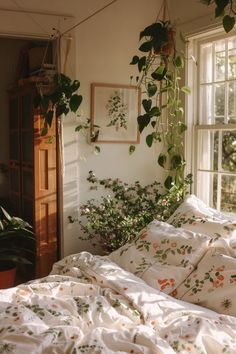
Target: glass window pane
220	66
232	43
232	102
232	64
220	45
207	150
219	103
206	63
205	187
206	114
228	194
229	151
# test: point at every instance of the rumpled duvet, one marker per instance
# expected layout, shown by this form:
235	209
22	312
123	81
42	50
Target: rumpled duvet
89	304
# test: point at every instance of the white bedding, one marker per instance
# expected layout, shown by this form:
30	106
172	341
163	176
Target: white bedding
90	305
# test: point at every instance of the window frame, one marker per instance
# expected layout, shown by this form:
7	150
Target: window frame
192	103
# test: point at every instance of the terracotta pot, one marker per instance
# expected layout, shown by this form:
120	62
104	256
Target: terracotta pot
7	277
168	49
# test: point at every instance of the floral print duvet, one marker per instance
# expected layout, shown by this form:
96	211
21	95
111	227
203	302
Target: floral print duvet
88	304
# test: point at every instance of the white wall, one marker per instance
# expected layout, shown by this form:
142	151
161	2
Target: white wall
104	46
10	50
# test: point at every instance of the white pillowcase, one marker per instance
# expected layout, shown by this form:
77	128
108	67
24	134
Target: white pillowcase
212	284
162	255
196	216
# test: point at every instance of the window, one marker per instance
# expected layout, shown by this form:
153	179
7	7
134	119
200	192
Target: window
215	122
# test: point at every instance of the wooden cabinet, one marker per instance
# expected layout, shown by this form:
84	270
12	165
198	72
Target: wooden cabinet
33	174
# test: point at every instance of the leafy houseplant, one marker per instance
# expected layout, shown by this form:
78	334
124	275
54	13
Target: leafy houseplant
225	9
17	242
160	68
61	98
127	209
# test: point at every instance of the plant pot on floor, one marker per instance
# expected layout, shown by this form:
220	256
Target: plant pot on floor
7	275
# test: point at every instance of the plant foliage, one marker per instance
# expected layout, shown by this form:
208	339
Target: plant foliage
118	217
161	67
225	9
17	240
62	99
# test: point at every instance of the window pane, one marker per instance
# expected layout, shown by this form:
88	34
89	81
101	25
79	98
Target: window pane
232	43
232	102
206	114
229	151
220	66
220	46
205	187
228	194
232	64
206	150
219	103
206	63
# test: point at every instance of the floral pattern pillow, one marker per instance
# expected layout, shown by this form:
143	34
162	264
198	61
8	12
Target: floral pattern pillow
162	255
196	216
212	284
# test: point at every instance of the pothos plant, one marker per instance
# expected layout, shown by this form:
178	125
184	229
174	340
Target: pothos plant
160	68
225	9
61	98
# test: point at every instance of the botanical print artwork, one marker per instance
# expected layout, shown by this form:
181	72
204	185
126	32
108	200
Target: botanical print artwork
117	111
114	109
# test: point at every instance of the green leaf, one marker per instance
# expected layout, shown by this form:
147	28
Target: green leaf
149	140
134	60
61	109
49	117
146	46
75	102
141	64
159	73
182	128
151	89
75	85
228	23
44	131
155	112
97	149
143	121
132	149
153	124
147	104
185	89
78	128
176	162
168	182
162	160
179	62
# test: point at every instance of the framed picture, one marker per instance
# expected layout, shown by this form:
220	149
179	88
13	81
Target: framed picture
114	109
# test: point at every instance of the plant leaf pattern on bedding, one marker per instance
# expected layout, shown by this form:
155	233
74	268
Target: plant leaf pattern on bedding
162	255
114	311
212	284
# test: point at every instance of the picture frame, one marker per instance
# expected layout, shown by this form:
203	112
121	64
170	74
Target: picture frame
114	112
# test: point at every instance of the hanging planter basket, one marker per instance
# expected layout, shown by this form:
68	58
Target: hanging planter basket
7	275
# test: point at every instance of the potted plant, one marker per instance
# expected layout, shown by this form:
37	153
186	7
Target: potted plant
17	246
160	67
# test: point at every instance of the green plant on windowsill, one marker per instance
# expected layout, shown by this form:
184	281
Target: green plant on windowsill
161	68
119	216
17	241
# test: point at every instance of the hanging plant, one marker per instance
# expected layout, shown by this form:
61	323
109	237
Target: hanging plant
61	99
160	67
225	9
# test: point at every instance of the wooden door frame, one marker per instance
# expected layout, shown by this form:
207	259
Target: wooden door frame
22	30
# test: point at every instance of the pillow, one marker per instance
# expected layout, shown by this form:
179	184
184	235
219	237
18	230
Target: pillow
212	284
162	255
196	216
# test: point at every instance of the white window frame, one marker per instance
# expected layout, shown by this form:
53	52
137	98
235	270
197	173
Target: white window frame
192	103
